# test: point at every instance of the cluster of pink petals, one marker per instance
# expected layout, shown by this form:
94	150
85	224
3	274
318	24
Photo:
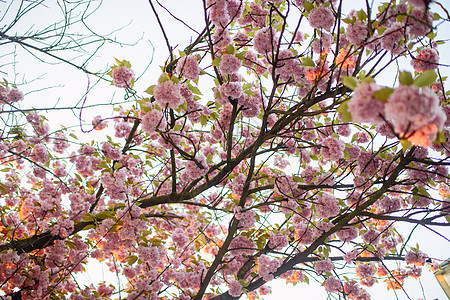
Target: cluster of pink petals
122	77
168	94
323	266
229	64
187	67
333	284
266	266
152	121
321	18
332	148
10	95
265	41
427	59
416	113
416	258
327	206
363	106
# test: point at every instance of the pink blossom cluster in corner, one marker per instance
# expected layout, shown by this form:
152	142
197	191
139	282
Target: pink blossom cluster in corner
10	95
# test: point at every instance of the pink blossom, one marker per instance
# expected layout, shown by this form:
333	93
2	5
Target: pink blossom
348	234
235	288
427	59
416	258
327	206
333	284
122	77
321	18
418	3
60	143
363	106
266	266
371	236
323	266
420	23
98	123
265	41
393	34
365	271
231	89
357	33
332	149
15	95
168	94
187	67
416	113
229	64
40	154
152	121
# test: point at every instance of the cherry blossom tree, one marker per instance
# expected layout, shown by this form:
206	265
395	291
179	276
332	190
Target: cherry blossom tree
268	147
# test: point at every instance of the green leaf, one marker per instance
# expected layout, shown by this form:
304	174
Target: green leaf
308	6
361	15
440	139
132	259
350	82
87	227
117	165
308	62
88	217
194	89
425	79
103	215
150	90
405	78
343	109
405	144
383	94
216	62
230	49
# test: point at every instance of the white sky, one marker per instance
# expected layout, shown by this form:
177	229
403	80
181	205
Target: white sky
70	85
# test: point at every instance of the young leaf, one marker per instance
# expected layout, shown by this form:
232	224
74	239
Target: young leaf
405	78
425	79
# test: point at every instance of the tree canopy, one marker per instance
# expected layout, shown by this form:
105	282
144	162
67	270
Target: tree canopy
287	139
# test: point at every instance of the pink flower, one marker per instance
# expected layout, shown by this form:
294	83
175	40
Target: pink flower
421	22
327	206
168	94
265	41
15	95
122	77
235	288
40	154
365	271
364	107
418	3
321	17
416	258
323	266
229	64
152	121
416	114
332	284
357	33
333	149
427	59
187	67
98	123
231	89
